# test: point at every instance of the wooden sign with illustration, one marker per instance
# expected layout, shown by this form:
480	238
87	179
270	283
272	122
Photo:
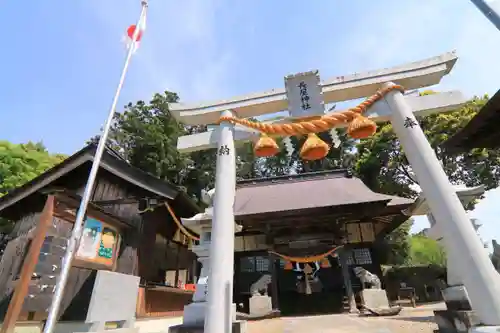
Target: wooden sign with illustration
107	246
89	242
98	243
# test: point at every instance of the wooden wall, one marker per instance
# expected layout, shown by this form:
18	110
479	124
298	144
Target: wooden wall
11	261
111	187
161	303
137	240
161	250
81	279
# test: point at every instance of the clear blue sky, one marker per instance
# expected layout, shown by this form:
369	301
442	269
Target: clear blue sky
61	59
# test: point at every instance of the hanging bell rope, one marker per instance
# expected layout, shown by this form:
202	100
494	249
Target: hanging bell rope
358	127
303	260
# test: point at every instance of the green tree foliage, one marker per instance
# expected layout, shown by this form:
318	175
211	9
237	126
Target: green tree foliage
146	135
426	251
20	163
395	248
380	161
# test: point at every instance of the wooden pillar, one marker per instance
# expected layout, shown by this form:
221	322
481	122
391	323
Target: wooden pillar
194	269
273	267
343	253
179	248
147	247
168	253
16	304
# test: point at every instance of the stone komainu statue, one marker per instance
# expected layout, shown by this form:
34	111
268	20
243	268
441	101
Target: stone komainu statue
260	286
367	278
495	257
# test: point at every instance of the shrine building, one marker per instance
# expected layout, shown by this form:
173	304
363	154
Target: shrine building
481	131
308	232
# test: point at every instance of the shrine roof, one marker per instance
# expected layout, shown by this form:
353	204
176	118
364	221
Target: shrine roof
481	131
308	191
73	172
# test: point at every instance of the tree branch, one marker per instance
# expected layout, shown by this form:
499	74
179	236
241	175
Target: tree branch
405	171
402	159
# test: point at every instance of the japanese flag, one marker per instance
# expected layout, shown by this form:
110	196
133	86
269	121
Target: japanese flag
130	34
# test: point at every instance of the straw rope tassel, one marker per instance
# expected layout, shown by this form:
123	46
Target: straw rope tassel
359	127
314	148
266	146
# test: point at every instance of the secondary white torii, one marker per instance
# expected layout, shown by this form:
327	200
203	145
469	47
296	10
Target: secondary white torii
478	274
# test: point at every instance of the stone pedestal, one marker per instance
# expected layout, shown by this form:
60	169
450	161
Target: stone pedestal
456	298
238	327
485	329
452	321
114	299
375	298
260	305
458	316
195	313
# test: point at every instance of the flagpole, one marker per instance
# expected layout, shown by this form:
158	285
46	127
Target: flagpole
488	11
77	228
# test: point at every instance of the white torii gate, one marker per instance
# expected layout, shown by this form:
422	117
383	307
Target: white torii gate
478	274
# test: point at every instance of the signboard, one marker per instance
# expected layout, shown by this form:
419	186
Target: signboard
304	95
98	242
89	242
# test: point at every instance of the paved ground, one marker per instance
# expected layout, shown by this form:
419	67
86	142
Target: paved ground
419	320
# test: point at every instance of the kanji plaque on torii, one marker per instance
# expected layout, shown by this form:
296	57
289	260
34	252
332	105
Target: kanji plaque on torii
385	102
303	92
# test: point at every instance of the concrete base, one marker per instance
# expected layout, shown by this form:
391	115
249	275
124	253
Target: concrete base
456	298
194	314
450	321
375	298
485	329
260	305
238	327
116	330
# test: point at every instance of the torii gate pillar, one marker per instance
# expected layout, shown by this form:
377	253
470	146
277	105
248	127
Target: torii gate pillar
220	279
477	272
